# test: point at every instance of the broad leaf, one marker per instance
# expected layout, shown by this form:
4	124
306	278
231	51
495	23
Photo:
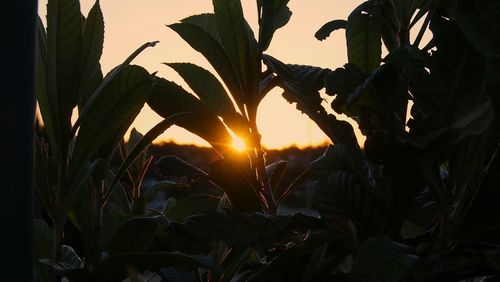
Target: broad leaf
47	100
64	42
111	115
479	22
238	183
206	86
92	44
191	205
363	35
233	32
256	230
169	98
209	47
207	22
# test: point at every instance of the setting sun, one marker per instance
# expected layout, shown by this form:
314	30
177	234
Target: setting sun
238	144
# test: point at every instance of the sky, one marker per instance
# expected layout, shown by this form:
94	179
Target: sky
130	23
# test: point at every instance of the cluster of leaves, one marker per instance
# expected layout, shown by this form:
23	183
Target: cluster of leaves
417	203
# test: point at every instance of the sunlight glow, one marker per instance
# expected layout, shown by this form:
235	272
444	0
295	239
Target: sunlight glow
238	144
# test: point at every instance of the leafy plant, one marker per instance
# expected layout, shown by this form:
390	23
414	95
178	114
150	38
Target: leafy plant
414	182
225	39
73	159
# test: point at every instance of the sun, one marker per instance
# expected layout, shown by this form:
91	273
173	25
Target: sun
238	144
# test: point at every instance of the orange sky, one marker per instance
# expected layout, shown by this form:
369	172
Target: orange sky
130	23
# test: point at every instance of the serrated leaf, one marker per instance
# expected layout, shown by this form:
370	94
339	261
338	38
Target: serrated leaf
209	47
207	87
92	45
111	115
64	41
169	98
232	30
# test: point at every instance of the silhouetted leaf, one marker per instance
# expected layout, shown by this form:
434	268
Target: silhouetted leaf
238	184
64	43
111	115
256	230
274	15
207	22
191	205
206	86
328	28
209	47
233	32
363	35
169	98
92	44
301	85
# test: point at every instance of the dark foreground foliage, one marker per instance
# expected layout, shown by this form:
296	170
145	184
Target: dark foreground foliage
417	202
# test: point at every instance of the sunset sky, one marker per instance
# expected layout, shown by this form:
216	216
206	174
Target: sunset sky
130	23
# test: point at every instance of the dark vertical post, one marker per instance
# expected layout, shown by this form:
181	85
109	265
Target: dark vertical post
17	105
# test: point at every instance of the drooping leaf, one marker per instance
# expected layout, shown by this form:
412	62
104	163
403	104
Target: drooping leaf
111	115
325	31
169	98
301	85
274	15
363	35
203	42
92	44
206	86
